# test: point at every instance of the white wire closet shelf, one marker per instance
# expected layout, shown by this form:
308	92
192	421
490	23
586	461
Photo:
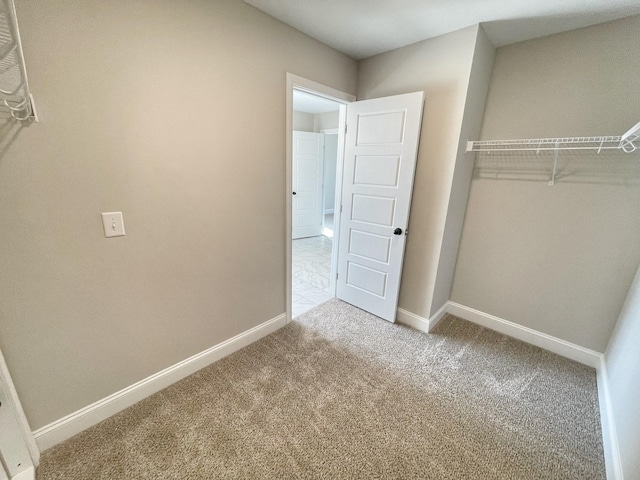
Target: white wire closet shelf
15	98
628	142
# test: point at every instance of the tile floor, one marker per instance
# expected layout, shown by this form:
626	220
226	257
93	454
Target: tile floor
311	265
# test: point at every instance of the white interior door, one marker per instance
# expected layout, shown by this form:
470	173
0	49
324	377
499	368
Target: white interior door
308	170
381	148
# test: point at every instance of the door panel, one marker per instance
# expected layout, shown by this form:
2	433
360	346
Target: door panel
308	170
370	246
380	171
372	209
380	128
381	149
369	280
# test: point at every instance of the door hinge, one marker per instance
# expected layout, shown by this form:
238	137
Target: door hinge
346	128
340	208
337	274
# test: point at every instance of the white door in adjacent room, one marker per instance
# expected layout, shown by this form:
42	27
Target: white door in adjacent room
381	149
308	169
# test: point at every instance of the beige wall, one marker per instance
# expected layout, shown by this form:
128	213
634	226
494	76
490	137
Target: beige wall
303	121
623	370
440	67
157	110
479	79
309	122
326	120
557	259
174	113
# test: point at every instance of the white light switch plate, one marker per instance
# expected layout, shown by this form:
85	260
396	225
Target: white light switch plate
113	224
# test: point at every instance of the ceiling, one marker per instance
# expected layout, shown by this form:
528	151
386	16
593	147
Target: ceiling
362	28
305	102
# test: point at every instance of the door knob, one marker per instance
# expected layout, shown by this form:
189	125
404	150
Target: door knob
397	231
294	193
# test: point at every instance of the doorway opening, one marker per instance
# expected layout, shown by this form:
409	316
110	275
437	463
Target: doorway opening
314	156
316	117
375	170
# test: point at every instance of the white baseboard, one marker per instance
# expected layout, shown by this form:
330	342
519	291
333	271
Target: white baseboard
561	347
86	417
328	211
412	320
420	323
612	458
439	315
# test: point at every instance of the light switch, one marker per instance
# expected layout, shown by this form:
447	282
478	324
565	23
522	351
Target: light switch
113	224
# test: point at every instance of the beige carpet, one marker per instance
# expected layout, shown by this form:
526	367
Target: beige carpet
342	394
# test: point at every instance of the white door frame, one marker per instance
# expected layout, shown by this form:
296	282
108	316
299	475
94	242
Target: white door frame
24	436
332	131
294	82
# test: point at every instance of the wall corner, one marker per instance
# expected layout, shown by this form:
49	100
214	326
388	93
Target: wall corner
480	69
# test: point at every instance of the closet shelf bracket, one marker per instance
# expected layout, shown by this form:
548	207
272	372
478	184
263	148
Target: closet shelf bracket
555	166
